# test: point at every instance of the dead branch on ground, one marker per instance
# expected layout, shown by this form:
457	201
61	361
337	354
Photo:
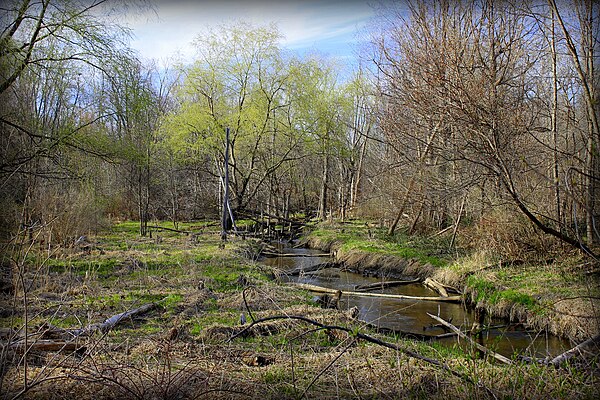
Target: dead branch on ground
320	289
359	335
57	339
383	285
481	348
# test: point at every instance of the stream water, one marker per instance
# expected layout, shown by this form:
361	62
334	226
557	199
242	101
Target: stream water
411	315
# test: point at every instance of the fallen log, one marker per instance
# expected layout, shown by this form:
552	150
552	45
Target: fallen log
116	319
481	348
113	321
320	289
435	286
60	344
449	299
312	268
592	345
288	255
383	285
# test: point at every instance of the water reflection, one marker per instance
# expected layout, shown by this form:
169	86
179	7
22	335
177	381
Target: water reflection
410	315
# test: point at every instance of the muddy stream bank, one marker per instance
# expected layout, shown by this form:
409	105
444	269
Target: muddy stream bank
410	315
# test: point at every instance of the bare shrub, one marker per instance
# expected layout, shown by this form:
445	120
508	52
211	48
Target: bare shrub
508	234
73	212
159	376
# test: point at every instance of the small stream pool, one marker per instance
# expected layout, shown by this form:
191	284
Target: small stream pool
411	316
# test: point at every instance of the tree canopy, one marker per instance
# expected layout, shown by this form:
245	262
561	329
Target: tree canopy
465	115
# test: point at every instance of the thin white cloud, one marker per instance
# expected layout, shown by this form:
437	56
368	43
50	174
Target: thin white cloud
172	26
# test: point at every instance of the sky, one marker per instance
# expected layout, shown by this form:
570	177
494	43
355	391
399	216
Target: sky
333	28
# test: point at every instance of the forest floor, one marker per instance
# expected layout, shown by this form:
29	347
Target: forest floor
185	346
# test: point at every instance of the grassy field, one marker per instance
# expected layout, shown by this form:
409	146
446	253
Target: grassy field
183	347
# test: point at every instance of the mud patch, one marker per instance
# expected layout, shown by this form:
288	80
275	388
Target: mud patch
382	265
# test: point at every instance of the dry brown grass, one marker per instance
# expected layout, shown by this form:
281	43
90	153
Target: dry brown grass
182	349
200	370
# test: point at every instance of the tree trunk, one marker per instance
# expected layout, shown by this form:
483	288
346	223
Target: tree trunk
225	214
585	73
411	183
357	180
553	122
324	182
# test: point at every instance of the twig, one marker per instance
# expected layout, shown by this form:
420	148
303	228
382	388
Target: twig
246	304
368	338
484	349
328	366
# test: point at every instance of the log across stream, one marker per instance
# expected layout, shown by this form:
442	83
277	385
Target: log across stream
410	315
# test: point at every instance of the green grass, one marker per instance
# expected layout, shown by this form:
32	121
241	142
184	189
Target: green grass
169	302
133	298
106	268
276	375
100	267
357	235
488	292
225	277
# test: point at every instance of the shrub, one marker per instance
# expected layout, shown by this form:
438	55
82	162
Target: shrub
508	234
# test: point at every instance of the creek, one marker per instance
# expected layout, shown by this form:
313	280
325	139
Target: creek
410	315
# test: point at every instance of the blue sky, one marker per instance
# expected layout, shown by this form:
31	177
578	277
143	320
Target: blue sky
333	27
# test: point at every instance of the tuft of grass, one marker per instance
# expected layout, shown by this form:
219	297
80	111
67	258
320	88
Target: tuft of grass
276	375
517	297
487	292
171	301
360	236
99	267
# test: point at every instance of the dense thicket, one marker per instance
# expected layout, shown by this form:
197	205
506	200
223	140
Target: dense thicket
477	116
492	110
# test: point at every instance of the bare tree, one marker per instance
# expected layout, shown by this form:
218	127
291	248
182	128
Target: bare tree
457	81
588	20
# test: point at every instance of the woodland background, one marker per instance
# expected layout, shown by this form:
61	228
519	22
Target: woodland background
479	116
